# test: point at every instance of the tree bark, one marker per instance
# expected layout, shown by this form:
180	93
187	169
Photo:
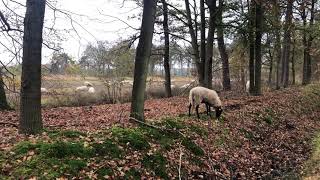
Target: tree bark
222	49
251	10
30	113
194	43
203	45
286	45
307	71
210	39
166	49
258	25
142	59
277	46
293	60
3	99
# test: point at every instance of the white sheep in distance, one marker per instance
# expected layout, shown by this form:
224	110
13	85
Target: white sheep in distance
198	95
129	82
185	86
91	90
172	86
87	83
44	90
88	87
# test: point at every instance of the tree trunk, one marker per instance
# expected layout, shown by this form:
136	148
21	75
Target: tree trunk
251	46
257	73
142	59
203	44
166	49
3	99
286	45
307	71
194	43
222	50
293	61
277	46
30	113
209	49
271	56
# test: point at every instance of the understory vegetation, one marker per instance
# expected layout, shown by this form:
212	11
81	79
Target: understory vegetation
255	137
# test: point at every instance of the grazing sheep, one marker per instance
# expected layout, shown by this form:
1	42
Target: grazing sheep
82	88
43	90
172	86
129	82
87	83
91	90
209	97
185	86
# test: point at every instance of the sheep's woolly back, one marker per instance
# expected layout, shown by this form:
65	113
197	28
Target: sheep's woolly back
87	83
82	88
199	94
91	90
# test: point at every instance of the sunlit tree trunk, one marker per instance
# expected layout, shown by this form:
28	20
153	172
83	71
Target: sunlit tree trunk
194	42
3	99
203	45
251	10
286	45
258	62
222	49
142	59
209	49
30	112
166	49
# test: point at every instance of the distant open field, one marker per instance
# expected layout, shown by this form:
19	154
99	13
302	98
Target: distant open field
62	90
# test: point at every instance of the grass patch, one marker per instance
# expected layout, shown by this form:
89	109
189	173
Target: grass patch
132	174
173	123
312	166
107	148
192	147
157	163
247	134
311	97
199	130
133	137
104	172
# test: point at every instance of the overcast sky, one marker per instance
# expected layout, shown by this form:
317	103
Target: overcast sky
89	23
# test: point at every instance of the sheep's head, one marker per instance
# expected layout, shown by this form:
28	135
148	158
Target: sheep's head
218	111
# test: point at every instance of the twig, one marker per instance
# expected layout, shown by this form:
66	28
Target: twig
9	123
180	159
213	170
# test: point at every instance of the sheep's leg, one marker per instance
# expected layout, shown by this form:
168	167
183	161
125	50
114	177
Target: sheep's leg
208	109
190	109
197	110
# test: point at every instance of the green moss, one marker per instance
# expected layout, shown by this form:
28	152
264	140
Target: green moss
25	146
134	137
132	174
192	147
65	149
247	134
312	166
107	148
75	165
105	171
173	123
199	130
156	163
165	139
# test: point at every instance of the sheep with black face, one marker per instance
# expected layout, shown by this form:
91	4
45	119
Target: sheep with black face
207	96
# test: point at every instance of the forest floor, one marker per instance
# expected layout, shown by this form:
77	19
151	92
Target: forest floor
276	135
